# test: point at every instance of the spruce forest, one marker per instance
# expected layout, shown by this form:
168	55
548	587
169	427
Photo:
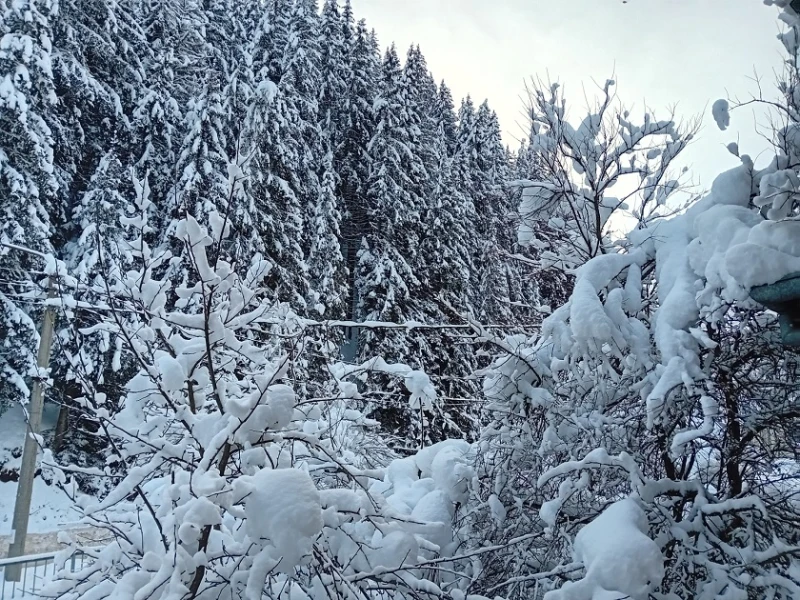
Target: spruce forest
304	327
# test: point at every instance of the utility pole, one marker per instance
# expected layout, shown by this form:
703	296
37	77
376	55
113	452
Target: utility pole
27	471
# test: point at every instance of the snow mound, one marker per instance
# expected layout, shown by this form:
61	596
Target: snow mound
422	391
427	487
771	252
618	556
171	373
721	112
396	549
284	510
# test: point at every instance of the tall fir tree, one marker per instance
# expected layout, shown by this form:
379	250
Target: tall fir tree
97	261
352	159
422	99
394	208
335	73
275	150
326	268
445	266
28	184
388	287
446	118
98	55
336	36
482	169
174	43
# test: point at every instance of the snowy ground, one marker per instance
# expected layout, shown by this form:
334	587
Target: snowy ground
51	510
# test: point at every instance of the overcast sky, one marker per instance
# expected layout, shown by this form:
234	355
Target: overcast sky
684	52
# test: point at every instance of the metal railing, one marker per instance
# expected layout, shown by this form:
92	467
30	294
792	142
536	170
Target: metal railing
34	572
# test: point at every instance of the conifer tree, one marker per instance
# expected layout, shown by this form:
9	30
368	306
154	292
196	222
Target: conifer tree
351	158
422	100
97	262
98	56
211	158
314	168
446	117
445	267
326	269
274	144
171	64
27	180
394	207
388	286
483	170
273	39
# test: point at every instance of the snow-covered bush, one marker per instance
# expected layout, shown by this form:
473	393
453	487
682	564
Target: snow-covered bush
545	393
577	167
227	483
645	436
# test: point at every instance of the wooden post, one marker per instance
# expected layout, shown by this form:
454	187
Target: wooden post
27	471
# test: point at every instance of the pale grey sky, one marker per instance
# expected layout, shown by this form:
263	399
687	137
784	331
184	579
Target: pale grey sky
664	52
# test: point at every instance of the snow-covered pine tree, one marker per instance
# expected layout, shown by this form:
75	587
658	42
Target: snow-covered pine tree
481	171
316	182
422	98
326	269
446	247
173	46
388	287
494	279
230	26
352	160
466	126
300	80
96	263
444	266
446	117
27	182
202	164
123	70
98	55
213	155
462	168
273	39
275	147
397	177
336	38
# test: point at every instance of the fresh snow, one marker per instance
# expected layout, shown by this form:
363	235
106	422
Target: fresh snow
618	557
267	168
284	514
721	113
